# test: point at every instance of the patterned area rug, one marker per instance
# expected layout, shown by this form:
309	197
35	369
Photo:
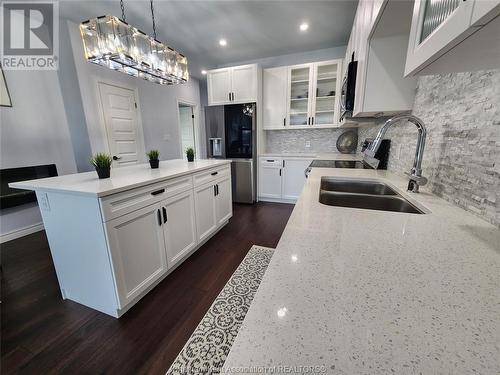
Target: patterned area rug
206	350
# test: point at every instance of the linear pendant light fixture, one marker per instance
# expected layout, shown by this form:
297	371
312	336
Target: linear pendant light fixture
113	43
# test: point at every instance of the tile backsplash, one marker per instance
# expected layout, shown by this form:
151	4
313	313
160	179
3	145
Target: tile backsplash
462	153
296	141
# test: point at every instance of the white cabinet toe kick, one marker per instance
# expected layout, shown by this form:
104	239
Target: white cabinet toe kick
111	251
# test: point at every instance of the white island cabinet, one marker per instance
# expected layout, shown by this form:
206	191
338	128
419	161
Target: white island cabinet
113	240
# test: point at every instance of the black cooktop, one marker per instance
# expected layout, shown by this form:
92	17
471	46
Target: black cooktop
354	164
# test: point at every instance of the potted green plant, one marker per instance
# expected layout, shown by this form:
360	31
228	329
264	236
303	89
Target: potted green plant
102	163
154	160
190	154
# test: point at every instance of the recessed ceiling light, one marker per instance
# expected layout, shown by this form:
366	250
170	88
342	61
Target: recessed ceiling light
304	26
223	42
203	72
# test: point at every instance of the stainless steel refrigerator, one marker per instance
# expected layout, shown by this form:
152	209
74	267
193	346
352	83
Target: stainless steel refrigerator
231	134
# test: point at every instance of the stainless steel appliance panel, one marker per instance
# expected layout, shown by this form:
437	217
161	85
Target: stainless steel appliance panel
243	180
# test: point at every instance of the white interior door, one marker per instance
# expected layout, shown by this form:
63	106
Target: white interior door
119	106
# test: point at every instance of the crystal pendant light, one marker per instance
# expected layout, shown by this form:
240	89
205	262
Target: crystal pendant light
113	43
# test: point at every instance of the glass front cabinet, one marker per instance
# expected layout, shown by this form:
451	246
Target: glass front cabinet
312	97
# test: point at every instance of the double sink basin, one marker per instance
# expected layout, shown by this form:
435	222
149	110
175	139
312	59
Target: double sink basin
371	195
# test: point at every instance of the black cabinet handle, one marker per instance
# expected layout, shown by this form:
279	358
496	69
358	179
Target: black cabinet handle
217	186
283	164
215	191
284	121
280	171
232	96
159	217
270	161
158	192
308	121
229	94
214	173
312	123
164	214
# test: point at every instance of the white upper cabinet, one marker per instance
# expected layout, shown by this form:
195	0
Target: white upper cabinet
274	97
237	84
302	96
453	35
219	86
379	43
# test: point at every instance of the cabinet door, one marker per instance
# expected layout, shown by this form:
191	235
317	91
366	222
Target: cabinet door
436	27
180	228
294	177
274	97
325	101
206	220
138	251
299	93
244	83
270	178
224	201
219	86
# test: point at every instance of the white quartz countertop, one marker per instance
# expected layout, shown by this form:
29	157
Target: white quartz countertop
121	179
320	156
374	292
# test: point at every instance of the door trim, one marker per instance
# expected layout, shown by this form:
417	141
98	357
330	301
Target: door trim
102	122
196	125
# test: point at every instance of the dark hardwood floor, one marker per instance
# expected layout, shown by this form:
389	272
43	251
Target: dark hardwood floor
42	334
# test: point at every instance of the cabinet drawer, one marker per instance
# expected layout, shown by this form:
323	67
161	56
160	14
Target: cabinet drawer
120	204
211	175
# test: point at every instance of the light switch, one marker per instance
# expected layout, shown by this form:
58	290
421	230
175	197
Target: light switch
43	202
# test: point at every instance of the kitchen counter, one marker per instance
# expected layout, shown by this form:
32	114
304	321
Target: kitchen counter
374	292
319	156
122	179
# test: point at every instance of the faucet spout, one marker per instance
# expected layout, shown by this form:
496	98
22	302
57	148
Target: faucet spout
416	178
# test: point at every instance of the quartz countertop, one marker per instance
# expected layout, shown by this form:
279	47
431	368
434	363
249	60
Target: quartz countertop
121	179
373	292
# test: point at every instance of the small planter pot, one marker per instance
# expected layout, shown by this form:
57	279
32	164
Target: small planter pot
103	172
154	163
190	158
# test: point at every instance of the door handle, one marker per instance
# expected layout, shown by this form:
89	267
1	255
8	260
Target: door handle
159	217
116	157
164	215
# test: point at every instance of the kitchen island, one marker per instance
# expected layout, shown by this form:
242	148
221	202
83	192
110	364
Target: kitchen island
113	240
356	291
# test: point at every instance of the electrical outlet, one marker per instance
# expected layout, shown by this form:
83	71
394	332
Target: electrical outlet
43	202
308	144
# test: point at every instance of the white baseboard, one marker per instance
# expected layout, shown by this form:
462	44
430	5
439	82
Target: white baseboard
277	200
21	232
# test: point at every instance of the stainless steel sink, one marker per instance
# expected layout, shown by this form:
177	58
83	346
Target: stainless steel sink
356	186
363	194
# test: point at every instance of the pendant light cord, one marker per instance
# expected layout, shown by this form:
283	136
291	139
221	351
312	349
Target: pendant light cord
153	18
123	10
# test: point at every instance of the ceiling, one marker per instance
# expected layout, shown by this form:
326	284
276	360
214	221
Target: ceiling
253	28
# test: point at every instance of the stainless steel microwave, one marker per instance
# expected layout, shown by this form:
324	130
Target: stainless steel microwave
348	90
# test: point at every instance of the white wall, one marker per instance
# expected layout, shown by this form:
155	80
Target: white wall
158	103
33	132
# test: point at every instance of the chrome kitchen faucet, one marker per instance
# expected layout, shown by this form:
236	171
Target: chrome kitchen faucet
416	178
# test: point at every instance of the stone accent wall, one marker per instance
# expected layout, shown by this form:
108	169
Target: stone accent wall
294	141
462	153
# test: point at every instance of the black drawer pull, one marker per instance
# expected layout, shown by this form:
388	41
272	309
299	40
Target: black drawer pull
214	173
270	161
158	192
159	217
